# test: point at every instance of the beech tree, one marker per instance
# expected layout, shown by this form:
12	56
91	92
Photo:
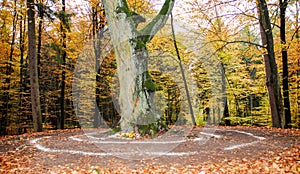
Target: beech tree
132	59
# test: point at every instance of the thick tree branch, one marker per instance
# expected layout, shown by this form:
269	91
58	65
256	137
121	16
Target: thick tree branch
158	22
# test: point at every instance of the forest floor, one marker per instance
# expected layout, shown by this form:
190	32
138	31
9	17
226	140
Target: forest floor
214	150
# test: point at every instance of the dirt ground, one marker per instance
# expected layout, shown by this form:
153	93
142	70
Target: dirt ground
219	150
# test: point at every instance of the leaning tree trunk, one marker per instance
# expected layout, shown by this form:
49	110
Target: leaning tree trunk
272	80
132	59
34	81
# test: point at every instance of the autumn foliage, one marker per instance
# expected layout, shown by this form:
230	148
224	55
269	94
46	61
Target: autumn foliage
232	33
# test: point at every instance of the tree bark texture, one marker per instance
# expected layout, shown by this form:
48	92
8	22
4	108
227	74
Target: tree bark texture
272	79
132	60
34	81
285	74
61	120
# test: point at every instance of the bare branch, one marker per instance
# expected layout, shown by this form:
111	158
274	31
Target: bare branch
240	41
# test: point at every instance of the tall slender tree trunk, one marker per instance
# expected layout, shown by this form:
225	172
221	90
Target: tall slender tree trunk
40	30
182	73
225	101
97	51
34	81
22	50
223	71
98	25
61	122
272	79
132	60
285	76
39	50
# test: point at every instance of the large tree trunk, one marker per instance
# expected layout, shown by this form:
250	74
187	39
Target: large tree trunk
272	80
34	81
132	60
285	74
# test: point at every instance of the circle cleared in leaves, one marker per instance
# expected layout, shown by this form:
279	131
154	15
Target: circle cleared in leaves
97	103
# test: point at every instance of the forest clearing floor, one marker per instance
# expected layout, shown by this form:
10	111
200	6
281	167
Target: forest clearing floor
223	150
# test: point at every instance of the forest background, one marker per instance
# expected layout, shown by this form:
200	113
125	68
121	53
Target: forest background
64	28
